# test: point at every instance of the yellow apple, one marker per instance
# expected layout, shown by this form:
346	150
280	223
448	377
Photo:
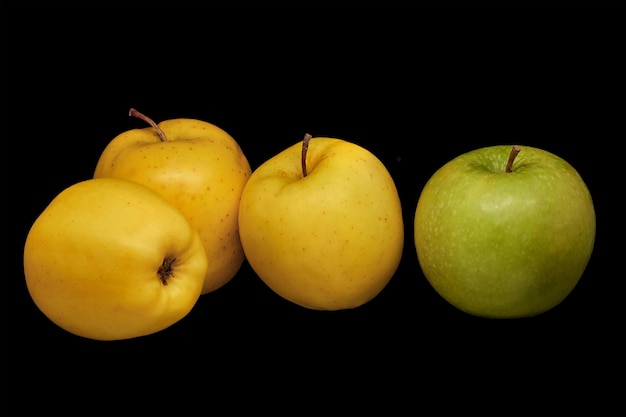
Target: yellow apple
321	224
110	259
197	167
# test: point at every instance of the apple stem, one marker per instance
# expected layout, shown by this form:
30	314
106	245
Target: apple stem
166	269
509	164
145	118
305	148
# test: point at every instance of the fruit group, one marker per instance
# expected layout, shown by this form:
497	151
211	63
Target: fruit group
504	232
321	224
110	259
197	167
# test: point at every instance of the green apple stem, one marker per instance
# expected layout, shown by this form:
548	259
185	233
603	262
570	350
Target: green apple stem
145	118
305	148
509	164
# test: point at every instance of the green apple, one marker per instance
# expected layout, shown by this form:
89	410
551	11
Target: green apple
110	259
197	167
321	224
504	232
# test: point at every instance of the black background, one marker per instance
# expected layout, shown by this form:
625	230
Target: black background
417	83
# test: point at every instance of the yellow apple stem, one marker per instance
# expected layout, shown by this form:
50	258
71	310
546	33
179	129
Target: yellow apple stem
166	269
145	118
305	148
509	164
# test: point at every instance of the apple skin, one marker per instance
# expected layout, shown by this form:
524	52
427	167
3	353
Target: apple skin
201	170
499	244
92	259
331	240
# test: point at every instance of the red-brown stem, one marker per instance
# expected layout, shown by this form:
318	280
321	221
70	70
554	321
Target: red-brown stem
305	148
145	118
509	164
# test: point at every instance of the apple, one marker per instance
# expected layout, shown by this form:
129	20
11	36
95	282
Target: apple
197	167
110	259
321	224
504	231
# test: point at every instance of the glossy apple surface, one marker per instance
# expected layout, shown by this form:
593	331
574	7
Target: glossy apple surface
110	259
329	240
504	244
201	170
